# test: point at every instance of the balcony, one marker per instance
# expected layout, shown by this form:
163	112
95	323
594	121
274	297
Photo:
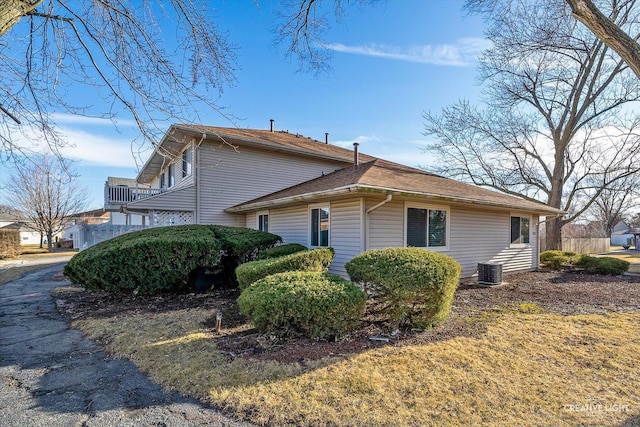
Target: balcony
116	196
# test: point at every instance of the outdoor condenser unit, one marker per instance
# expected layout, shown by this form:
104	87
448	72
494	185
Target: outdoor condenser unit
489	274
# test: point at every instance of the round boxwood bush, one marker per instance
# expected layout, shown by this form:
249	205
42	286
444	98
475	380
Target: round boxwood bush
299	303
602	265
282	250
406	285
161	259
558	260
315	260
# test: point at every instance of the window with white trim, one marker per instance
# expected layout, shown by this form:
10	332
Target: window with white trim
319	226
162	181
263	221
186	162
427	227
171	175
520	230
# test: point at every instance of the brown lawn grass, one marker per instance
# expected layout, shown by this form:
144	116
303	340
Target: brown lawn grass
529	368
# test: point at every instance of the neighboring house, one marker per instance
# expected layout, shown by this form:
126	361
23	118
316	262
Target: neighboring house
621	234
318	194
28	235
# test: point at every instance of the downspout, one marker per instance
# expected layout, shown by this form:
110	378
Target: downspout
371	209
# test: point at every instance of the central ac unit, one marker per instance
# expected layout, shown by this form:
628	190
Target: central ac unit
489	274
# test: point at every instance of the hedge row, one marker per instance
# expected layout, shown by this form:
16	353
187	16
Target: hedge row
9	243
560	260
317	260
312	304
163	259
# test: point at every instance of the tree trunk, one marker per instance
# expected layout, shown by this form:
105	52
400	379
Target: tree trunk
50	241
554	234
12	10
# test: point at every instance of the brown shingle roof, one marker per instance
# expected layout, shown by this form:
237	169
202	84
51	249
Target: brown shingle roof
171	145
280	139
389	177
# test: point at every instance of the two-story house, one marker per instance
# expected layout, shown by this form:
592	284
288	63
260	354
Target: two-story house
317	194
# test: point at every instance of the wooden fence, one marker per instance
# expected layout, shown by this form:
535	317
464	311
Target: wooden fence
588	245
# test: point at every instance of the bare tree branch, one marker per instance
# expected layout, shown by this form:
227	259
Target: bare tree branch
608	31
121	53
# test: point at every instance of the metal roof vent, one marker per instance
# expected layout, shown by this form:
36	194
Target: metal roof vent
489	274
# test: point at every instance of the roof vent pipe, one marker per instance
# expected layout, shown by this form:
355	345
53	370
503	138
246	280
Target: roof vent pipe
326	137
271	120
355	154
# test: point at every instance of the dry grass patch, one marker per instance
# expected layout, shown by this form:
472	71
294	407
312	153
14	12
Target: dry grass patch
527	368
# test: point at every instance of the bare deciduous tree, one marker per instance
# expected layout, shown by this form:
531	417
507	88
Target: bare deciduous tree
557	118
615	203
119	53
46	193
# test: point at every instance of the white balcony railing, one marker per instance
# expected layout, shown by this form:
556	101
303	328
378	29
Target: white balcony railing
121	195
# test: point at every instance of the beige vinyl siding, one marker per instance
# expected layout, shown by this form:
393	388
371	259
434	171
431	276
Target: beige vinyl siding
178	199
291	224
475	236
228	177
485	236
251	220
385	224
345	233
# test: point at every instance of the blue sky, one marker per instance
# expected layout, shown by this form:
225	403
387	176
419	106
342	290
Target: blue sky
391	62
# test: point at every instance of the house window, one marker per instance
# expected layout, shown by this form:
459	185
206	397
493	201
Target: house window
319	231
186	162
520	230
263	221
171	176
162	181
427	227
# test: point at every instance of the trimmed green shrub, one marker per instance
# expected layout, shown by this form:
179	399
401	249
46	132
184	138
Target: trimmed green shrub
161	259
558	260
239	245
406	285
311	304
602	265
282	250
9	243
314	260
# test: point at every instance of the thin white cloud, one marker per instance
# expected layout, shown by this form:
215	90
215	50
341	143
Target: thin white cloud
463	52
362	139
86	147
86	120
99	150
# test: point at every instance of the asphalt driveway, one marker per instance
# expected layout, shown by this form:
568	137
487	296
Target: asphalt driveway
50	375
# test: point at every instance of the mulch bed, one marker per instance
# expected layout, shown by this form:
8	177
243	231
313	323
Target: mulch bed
558	292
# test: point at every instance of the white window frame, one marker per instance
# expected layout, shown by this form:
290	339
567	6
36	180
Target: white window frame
258	215
428	206
187	160
521	215
171	175
326	206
